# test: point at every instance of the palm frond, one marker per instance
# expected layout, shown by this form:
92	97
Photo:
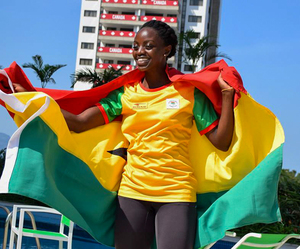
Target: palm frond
196	48
51	80
219	54
111	74
58	66
28	65
87	75
49	70
38	61
92	76
43	72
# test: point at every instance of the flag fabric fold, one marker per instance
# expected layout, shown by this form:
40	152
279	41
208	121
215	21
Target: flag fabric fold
79	174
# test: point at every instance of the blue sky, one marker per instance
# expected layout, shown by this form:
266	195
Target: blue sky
261	37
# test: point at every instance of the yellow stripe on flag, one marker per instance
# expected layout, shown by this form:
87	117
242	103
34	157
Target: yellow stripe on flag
257	133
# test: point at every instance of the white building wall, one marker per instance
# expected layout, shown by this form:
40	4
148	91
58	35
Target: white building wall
200	27
88	21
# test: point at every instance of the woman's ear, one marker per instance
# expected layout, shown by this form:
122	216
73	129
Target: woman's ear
167	50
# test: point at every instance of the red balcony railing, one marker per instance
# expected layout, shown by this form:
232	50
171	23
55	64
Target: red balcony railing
159	2
136	18
120	1
115	50
119	17
116	66
159	18
117	33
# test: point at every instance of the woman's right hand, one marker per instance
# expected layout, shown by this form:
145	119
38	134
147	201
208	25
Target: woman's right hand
18	88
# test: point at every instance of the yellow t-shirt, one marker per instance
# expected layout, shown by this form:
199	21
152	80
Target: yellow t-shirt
157	123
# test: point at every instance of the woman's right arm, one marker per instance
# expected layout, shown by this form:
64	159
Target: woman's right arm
88	119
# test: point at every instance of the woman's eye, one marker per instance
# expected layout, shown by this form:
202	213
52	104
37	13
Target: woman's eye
148	47
135	47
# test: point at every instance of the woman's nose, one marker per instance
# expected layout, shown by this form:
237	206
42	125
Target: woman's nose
141	50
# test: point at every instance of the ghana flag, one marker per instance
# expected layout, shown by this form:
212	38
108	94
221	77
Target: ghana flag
79	174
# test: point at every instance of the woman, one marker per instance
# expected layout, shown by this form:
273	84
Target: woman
157	192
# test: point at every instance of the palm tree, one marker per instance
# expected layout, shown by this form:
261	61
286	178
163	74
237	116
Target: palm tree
97	79
43	72
111	74
194	51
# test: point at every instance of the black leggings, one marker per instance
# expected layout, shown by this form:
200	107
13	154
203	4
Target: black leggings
174	224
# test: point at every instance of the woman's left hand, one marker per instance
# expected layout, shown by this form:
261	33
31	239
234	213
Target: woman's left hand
223	84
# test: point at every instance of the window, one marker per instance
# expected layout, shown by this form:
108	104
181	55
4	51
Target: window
110	45
113	12
188	68
128	13
125	46
124	62
87	62
108	28
153	14
196	2
126	29
171	15
109	61
88	29
87	45
90	13
195	18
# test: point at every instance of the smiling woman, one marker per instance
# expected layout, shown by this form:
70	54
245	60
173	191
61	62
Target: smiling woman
158	189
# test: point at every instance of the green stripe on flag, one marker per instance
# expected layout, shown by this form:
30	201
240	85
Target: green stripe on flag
253	199
46	172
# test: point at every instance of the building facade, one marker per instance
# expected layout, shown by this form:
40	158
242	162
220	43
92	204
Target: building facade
107	29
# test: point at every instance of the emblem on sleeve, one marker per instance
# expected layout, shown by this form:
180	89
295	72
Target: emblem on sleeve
172	103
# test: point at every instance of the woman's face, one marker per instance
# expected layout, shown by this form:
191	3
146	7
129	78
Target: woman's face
149	50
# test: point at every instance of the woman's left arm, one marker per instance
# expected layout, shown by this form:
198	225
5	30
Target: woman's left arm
221	136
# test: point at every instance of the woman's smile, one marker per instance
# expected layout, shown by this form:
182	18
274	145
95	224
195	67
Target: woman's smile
142	62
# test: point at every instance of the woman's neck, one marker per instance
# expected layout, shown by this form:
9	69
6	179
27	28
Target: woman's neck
155	80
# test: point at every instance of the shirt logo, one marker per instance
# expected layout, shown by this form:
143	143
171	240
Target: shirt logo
140	106
172	103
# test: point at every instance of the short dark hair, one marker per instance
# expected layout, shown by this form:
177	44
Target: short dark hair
165	32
